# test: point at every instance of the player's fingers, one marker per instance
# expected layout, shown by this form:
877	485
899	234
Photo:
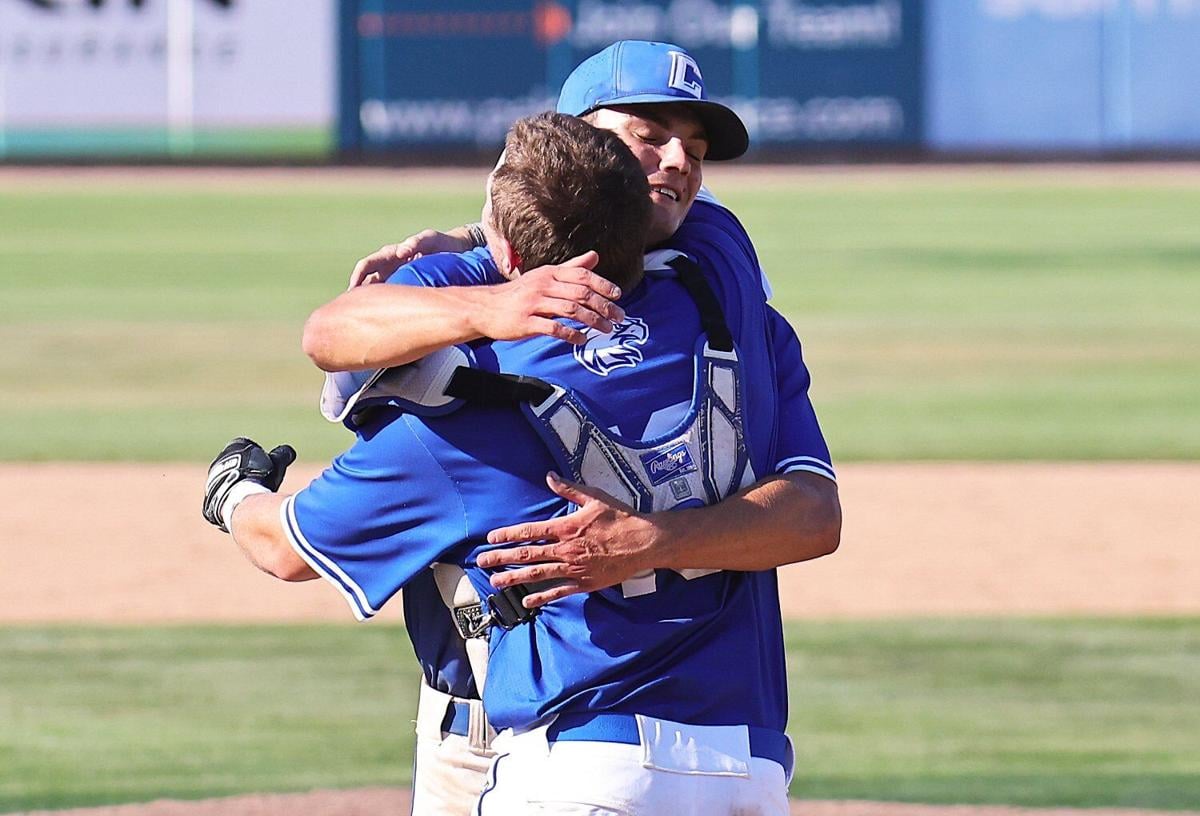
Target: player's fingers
573	310
282	456
587	260
583	276
407	250
509	556
527	575
587	297
361	271
552	328
536	599
577	493
429	241
371	268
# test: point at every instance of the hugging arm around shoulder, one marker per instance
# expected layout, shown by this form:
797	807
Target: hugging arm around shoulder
452	298
791	513
359	329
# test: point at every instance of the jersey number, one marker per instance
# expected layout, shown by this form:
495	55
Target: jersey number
644	582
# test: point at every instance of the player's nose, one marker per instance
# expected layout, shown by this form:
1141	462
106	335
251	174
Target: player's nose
672	155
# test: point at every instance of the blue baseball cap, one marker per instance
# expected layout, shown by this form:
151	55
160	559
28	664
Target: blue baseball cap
637	72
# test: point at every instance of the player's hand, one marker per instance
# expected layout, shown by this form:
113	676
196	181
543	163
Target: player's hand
381	263
529	304
240	469
600	545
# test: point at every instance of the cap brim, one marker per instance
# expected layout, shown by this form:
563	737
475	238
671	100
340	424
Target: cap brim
727	135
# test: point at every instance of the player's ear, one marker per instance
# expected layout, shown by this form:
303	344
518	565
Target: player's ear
509	260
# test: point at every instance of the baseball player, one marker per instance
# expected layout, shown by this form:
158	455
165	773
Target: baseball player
369	558
652	96
639	90
668	165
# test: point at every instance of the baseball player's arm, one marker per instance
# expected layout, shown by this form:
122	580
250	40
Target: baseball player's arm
793	515
376	267
258	531
241	497
383	326
779	520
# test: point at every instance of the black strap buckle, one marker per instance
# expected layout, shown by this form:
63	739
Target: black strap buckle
470	621
506	608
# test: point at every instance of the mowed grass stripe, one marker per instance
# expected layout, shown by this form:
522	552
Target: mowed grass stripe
1022	712
98	716
943	317
1032	712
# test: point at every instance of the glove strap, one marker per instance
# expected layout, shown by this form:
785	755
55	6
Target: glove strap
236	495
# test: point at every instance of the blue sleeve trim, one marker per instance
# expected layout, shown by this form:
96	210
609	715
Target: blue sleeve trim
326	568
809	464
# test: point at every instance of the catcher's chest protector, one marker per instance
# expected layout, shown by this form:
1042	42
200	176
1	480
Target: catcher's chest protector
700	461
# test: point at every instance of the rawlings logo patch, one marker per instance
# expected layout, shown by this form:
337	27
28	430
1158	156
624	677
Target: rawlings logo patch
601	353
662	466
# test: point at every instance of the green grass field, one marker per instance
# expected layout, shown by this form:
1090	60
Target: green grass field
944	317
1030	712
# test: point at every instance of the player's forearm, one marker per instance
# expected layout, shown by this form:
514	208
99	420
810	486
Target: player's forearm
382	326
256	528
778	520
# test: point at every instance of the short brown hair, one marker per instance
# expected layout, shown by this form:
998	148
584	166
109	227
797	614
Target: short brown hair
565	187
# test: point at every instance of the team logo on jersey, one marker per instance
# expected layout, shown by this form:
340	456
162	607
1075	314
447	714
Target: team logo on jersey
685	75
601	353
665	465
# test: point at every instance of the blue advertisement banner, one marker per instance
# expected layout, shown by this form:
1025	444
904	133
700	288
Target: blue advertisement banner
1067	75
1163	77
455	74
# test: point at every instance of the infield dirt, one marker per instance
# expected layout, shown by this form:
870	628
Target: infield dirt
125	543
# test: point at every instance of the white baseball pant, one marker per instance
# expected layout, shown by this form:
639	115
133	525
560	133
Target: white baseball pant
453	754
669	768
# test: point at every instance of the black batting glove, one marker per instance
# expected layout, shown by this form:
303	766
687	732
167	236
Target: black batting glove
240	470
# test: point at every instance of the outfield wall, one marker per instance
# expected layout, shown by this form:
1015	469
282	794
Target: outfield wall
440	79
422	73
915	77
182	78
1064	75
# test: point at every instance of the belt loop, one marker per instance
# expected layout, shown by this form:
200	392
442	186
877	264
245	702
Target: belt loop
479	731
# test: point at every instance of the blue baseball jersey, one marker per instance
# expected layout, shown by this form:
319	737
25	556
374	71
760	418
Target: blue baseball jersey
713	233
708	213
794	446
437	645
413	490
